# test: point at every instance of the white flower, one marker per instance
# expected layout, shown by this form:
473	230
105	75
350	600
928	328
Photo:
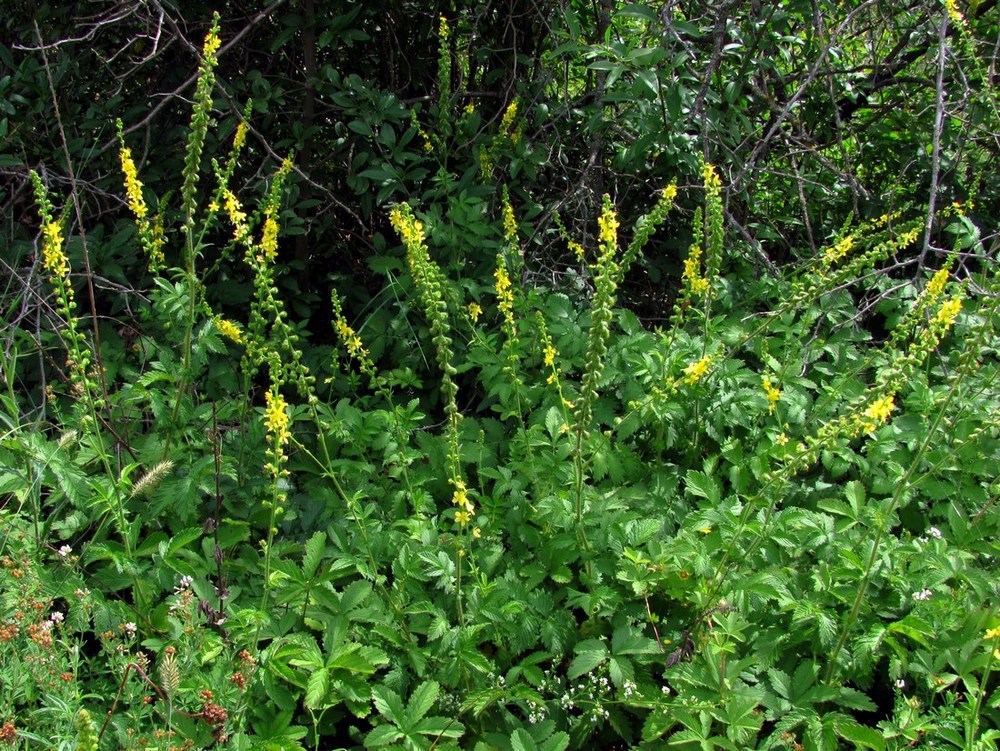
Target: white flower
64	551
923	594
934	532
900	684
57	617
130	628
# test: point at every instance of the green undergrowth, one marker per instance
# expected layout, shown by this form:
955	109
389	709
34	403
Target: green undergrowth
764	523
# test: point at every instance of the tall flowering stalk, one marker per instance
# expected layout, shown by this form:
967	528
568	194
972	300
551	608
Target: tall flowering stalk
430	283
78	361
278	433
150	233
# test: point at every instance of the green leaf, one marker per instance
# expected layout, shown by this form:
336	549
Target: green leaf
520	740
313	554
421	701
702	486
388	704
860	735
590	654
383	735
317	687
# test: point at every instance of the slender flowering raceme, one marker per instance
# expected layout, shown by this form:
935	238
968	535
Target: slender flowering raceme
948	312
229	330
269	239
276	418
53	257
697	370
877	413
773	394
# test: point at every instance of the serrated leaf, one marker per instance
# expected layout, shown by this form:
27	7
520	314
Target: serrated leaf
702	486
383	735
315	548
860	735
556	742
317	687
388	704
421	701
520	740
590	654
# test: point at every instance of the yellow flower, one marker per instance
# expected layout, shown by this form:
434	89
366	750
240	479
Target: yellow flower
508	118
838	251
993	633
607	224
462	517
773	394
711	177
269	238
461	497
236	215
229	330
407	226
878	412
781	440
53	257
509	223
505	297
212	44
474	311
240	137
476	532
669	193
549	356
133	188
949	310
706	530
577	249
692	272
696	370
936	285
954	13
276	418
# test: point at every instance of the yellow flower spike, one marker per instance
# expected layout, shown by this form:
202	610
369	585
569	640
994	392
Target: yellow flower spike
948	312
474	311
212	44
229	330
509	115
269	239
238	217
133	187
838	250
607	227
505	295
53	257
509	223
549	355
697	370
276	418
936	285
878	412
773	394
240	136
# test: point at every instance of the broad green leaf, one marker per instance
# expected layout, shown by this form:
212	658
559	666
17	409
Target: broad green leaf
421	701
315	548
388	704
860	735
317	687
